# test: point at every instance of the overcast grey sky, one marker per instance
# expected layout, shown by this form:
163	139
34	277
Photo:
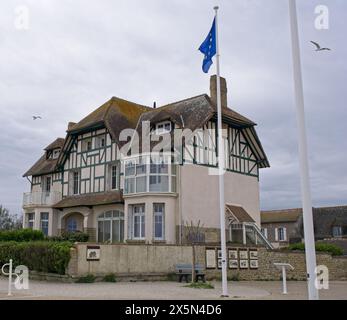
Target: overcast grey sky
76	54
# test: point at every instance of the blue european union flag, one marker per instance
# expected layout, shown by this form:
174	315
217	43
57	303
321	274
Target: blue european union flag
209	48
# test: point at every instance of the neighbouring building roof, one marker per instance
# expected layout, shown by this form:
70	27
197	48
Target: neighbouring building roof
44	165
239	213
91	199
285	215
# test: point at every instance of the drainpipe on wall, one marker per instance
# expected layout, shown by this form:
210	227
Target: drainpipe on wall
180	206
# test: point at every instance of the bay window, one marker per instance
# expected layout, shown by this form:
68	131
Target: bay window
149	174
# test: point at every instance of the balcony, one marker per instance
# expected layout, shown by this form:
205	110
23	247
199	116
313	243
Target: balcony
32	199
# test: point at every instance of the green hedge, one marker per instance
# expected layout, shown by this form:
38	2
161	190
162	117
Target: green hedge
322	247
44	256
71	236
21	235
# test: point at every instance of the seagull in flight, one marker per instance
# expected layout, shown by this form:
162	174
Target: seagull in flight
36	117
319	48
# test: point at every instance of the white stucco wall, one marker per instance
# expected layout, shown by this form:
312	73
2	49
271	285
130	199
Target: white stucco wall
200	194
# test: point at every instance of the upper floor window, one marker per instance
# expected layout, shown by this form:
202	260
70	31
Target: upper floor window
337	231
75	182
100	141
47	184
163	127
149	174
55	153
114	177
87	144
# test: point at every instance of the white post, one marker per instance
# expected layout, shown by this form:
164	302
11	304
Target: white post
284	278
221	168
304	170
10	279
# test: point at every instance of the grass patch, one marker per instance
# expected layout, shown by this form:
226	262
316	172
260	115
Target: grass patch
89	278
200	285
110	278
320	247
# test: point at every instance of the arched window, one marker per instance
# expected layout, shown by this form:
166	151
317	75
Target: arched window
111	226
71	224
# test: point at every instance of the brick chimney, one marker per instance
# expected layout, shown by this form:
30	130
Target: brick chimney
223	89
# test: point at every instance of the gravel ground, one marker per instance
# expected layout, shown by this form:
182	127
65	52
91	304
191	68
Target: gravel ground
167	290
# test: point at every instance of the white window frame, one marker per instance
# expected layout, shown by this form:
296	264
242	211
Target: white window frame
142	221
73	183
160	127
98	141
171	174
162	215
114	215
55	153
31	220
46	220
279	234
340	233
264	232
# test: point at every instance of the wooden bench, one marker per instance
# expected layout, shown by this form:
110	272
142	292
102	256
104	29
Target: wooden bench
184	270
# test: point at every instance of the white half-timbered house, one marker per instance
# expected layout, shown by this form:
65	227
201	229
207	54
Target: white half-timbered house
84	182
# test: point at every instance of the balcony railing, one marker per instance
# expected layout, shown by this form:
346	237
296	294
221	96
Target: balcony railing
41	198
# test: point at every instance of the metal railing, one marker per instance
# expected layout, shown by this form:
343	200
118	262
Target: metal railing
41	198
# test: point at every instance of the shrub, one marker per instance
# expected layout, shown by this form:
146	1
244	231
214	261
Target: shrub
21	235
321	247
200	285
71	236
43	256
110	278
89	278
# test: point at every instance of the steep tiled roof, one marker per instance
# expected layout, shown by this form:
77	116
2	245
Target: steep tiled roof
57	143
44	165
90	199
286	215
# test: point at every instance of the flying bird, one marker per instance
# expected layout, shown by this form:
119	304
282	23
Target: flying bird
36	117
319	48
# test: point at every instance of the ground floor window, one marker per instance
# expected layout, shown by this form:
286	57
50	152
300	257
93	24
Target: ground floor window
264	232
159	221
281	234
72	224
111	226
31	220
337	231
139	225
44	222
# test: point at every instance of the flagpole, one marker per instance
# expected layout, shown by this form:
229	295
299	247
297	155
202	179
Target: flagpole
304	170
221	168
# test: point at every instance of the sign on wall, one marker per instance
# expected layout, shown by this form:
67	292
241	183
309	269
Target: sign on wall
238	258
93	253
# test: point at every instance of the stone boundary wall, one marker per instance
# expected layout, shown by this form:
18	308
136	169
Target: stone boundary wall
157	262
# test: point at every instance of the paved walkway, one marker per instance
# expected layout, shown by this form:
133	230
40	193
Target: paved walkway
167	290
